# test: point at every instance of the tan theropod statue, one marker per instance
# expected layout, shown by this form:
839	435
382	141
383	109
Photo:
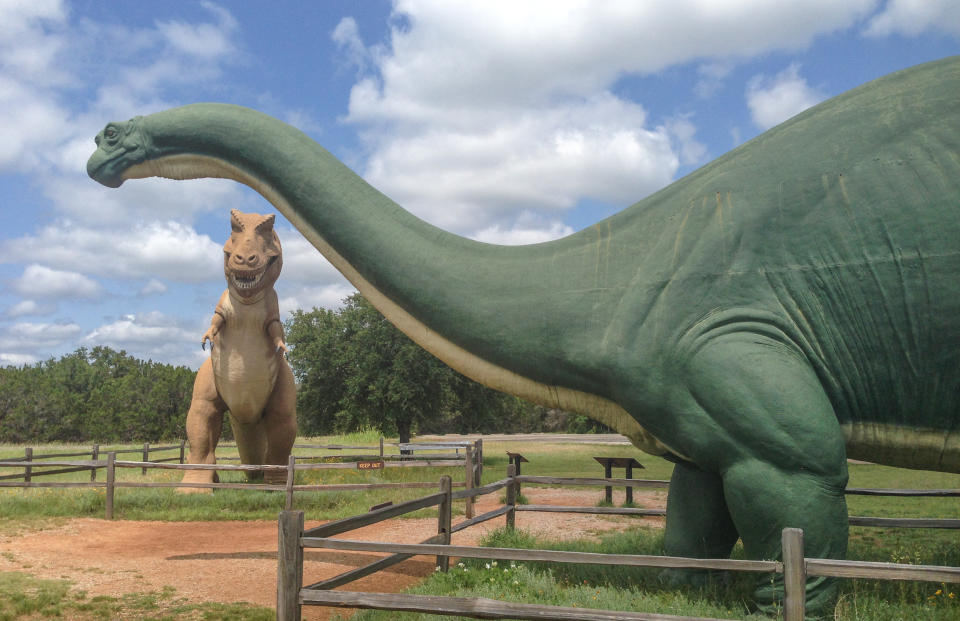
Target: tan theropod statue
246	372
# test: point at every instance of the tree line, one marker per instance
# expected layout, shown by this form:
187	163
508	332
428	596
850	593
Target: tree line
94	395
354	370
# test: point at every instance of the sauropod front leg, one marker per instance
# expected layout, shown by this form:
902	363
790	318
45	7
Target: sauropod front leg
770	432
204	421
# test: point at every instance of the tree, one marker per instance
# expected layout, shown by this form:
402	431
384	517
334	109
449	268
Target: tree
315	356
97	395
355	369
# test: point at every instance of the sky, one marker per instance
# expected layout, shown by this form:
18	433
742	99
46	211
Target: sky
508	122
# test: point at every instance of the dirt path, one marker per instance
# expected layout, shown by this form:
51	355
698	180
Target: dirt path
236	561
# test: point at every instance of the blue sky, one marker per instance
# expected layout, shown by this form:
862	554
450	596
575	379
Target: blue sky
508	122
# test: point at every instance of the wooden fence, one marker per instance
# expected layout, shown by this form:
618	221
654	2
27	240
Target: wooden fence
30	457
293	539
943	523
33	468
408	452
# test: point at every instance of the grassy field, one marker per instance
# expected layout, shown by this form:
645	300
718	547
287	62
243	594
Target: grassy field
23	596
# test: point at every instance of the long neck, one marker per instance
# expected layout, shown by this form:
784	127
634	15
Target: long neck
534	311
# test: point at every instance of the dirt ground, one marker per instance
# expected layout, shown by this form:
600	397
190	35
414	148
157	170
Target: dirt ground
236	561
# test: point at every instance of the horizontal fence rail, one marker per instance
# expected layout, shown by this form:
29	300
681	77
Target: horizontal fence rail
107	460
413	448
32	469
479	607
553	556
795	567
35	464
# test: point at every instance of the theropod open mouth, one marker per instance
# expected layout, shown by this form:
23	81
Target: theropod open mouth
250	280
244	281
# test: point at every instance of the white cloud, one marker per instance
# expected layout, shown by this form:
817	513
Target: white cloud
306	298
204	40
347	37
30	116
735	137
711	79
26	336
31	37
481	173
30	307
476	112
153	287
48	118
682	132
153	336
451	54
519	235
168	250
17	360
774	100
133	331
302	263
39	281
914	17
82	200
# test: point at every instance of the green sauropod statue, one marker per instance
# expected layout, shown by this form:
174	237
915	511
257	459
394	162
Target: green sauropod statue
791	304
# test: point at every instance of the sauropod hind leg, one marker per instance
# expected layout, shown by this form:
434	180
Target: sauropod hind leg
698	521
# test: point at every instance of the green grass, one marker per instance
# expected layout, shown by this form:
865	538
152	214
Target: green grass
27	597
25	507
587	586
724	596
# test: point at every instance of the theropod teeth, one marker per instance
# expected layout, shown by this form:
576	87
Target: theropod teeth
245	282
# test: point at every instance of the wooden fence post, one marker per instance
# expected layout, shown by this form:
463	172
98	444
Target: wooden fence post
511	496
183	445
27	470
445	519
794	575
478	467
607	474
111	474
291	463
468	481
146	457
289	565
381	447
94	455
